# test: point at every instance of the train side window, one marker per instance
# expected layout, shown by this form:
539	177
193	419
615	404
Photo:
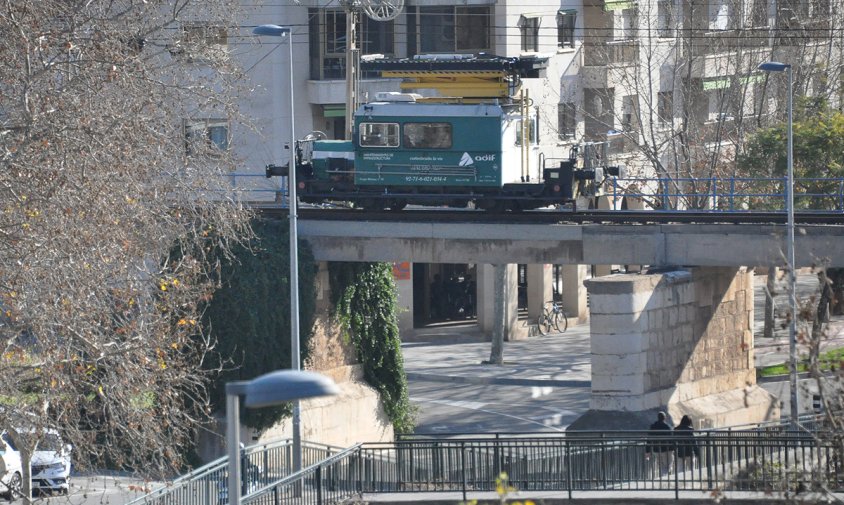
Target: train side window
427	136
379	134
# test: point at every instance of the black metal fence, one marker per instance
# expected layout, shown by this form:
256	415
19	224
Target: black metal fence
261	465
737	460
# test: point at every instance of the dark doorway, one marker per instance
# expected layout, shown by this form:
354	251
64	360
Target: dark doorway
444	293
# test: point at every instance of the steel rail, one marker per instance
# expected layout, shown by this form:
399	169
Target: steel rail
559	216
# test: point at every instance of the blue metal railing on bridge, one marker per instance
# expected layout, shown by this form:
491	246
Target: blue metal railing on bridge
727	194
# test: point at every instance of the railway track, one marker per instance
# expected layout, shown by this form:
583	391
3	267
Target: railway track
560	216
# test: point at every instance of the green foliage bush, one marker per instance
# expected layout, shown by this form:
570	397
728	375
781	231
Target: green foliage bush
364	297
249	314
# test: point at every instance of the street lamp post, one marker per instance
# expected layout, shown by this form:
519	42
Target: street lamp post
773	66
280	31
267	390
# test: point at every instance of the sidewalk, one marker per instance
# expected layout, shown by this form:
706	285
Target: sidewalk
553	360
459	353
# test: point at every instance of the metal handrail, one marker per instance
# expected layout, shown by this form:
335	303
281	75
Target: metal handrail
767	458
268	462
311	481
730	194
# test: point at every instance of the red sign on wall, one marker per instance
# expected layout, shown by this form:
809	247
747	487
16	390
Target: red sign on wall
401	270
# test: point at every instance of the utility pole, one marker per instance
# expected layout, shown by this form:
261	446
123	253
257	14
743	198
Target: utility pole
352	63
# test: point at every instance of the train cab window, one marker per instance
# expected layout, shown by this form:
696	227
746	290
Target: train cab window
379	134
427	136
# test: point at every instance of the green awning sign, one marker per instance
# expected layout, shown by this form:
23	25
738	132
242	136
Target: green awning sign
334	110
618	5
716	83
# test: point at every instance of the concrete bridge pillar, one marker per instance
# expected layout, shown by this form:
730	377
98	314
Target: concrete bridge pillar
509	294
574	292
539	289
403	275
678	341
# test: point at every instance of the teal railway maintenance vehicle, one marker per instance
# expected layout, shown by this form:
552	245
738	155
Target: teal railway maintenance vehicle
443	152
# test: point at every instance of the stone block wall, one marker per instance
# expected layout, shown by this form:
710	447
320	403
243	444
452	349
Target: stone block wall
355	415
680	341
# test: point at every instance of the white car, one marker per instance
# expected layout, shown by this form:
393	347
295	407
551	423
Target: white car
10	467
51	464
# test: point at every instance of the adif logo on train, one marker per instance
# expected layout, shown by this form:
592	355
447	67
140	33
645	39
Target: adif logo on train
467	160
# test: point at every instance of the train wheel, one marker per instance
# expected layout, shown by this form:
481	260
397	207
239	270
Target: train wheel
370	204
398	205
495	206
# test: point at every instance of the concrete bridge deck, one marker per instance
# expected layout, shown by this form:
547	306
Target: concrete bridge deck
596	244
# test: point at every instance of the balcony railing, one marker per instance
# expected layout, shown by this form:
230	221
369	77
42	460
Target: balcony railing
614	52
622	52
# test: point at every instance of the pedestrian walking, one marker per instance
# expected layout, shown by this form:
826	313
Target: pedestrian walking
687	450
660	449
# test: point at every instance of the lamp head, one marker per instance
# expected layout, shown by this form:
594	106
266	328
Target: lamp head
271	30
282	386
774	66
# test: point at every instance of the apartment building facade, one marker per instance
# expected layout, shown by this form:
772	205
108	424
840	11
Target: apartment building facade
671	86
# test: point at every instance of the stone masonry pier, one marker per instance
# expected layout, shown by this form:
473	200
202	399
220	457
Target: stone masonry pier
679	341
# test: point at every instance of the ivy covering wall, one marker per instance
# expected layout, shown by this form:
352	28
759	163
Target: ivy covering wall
364	298
249	314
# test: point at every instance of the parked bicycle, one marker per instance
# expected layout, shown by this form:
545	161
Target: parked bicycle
552	317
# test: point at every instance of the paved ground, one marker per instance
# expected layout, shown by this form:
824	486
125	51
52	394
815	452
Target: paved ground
544	382
98	490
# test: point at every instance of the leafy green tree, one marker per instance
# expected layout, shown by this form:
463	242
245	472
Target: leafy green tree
818	136
249	314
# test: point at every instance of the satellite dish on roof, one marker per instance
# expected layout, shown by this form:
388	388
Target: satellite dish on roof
382	10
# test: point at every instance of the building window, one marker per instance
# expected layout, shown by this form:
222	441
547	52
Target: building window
665	18
427	136
206	136
820	8
760	13
624	23
379	134
598	112
565	28
201	42
718	108
449	29
529	28
327	41
665	108
629	113
720	15
531	127
566	120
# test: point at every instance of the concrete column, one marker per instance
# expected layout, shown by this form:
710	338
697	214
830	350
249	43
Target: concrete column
678	341
574	292
323	299
485	298
539	289
403	275
604	203
633	203
511	304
